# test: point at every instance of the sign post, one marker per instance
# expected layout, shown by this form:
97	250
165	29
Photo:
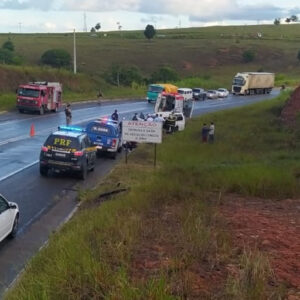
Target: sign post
142	132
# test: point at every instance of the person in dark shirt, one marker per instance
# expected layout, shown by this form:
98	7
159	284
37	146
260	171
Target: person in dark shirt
205	130
115	116
68	113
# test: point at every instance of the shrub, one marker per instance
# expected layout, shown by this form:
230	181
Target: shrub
56	58
6	56
164	74
248	56
8	45
125	76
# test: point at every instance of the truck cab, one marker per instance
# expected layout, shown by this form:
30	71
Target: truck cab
39	97
168	103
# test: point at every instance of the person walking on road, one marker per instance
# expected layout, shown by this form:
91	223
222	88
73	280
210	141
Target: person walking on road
204	132
68	113
99	96
211	133
115	116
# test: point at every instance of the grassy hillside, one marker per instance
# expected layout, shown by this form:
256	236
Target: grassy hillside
165	238
190	51
210	53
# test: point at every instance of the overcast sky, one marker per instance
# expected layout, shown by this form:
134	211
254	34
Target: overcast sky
28	16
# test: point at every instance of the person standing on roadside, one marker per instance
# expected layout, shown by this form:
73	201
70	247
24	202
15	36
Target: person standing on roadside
211	133
99	96
68	113
204	133
135	117
115	116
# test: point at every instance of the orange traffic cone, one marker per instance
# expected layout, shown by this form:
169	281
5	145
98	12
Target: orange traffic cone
32	131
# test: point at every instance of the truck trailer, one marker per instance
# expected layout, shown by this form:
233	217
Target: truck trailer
250	83
39	96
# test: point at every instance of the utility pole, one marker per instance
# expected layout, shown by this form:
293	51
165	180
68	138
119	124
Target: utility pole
75	66
84	23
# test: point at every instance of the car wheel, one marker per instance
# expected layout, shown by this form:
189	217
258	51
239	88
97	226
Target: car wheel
42	110
113	155
21	111
43	171
83	173
15	227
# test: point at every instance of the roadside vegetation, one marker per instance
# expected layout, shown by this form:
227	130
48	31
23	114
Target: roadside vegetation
123	63
164	237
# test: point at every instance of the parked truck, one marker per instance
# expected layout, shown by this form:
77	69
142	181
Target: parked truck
39	96
250	83
155	89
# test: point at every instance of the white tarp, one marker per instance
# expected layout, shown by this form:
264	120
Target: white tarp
142	131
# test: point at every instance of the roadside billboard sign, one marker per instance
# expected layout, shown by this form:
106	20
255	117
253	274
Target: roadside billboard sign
142	132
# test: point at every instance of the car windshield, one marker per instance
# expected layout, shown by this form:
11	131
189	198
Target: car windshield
101	129
61	141
28	92
155	88
196	90
221	90
211	91
239	81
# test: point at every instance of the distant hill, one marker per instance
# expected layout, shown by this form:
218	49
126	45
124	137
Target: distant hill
191	51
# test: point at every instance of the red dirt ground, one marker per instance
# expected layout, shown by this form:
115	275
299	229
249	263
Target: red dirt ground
292	108
272	227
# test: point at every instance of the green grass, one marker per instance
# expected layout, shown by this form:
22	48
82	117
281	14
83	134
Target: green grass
206	57
91	257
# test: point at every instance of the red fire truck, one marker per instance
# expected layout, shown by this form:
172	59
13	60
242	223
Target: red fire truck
39	96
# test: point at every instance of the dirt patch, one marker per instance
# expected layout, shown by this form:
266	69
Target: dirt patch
291	109
270	226
159	251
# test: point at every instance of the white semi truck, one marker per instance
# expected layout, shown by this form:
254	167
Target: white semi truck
250	83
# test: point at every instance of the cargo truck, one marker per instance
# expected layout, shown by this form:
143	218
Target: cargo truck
250	83
155	89
39	96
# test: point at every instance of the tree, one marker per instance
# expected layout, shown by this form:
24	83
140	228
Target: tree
98	26
125	76
277	21
288	20
56	58
8	45
6	56
294	18
248	56
164	74
149	32
93	29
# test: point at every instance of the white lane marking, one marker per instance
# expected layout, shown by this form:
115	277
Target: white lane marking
24	137
30	221
59	113
19	170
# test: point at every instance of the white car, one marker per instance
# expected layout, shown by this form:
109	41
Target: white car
212	94
222	93
9	218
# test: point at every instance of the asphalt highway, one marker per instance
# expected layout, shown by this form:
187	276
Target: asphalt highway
45	203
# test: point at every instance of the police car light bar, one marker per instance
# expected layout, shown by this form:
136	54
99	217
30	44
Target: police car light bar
71	128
